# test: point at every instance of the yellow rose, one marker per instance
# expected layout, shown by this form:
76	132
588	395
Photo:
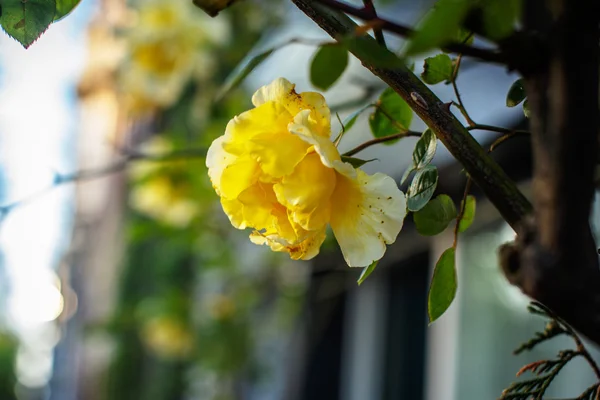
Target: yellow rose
277	171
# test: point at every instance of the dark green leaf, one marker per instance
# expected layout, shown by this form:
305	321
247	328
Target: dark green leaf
526	108
64	7
366	272
443	285
468	215
516	93
242	71
440	26
499	17
392	115
422	187
328	64
365	48
437	69
424	149
356	162
435	217
25	21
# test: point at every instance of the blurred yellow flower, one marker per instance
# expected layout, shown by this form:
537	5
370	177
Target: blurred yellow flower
167	337
277	171
161	192
163	52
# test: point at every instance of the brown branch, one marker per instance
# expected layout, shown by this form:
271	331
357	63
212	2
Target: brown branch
485	172
370	7
386	25
383	139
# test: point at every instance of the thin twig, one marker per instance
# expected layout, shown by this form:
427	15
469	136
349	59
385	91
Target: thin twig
376	30
463	207
498	129
94	173
383	139
386	25
460	104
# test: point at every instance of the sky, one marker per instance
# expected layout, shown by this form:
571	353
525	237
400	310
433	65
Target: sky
38	121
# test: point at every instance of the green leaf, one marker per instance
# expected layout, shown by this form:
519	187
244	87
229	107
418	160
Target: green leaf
443	285
351	119
440	26
437	69
424	149
371	53
435	217
392	115
468	215
328	64
516	93
366	272
25	21
241	72
356	162
526	108
64	7
499	17
422	187
406	174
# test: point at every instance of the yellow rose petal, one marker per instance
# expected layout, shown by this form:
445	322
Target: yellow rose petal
368	213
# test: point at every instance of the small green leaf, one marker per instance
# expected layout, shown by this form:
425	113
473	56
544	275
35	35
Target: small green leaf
356	162
368	50
443	285
424	149
366	272
351	119
435	217
328	64
25	21
440	26
422	187
64	7
392	115
516	93
437	69
406	174
241	72
526	108
468	215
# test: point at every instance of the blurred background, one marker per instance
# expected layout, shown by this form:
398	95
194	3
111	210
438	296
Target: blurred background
122	279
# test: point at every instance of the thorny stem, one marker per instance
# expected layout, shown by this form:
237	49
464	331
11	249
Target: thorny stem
383	139
386	25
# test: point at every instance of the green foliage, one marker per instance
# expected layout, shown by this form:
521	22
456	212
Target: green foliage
499	17
356	162
437	69
526	108
435	217
328	64
441	26
366	272
64	8
516	94
422	154
25	21
422	187
468	214
443	285
392	115
350	120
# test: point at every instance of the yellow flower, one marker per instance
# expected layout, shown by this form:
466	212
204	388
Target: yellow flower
277	171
